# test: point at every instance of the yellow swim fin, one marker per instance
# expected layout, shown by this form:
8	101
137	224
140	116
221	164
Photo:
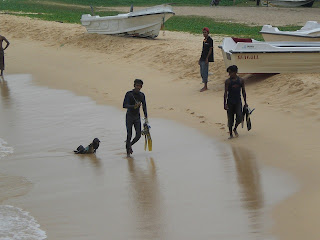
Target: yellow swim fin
150	144
145	143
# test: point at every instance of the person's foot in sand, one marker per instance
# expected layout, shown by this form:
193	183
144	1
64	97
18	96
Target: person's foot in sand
231	136
235	132
203	89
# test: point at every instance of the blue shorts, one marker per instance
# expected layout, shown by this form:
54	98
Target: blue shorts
204	69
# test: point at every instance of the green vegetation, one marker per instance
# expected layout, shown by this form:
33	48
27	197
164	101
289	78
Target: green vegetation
194	24
72	14
150	2
49	11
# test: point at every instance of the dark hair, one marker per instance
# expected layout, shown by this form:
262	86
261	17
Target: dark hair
95	143
232	68
138	81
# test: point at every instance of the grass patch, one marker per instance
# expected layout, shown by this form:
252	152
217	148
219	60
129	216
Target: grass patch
72	14
49	12
151	2
194	24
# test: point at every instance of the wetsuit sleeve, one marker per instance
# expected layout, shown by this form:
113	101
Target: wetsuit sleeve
126	101
144	106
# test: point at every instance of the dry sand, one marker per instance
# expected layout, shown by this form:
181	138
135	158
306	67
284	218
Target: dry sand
285	122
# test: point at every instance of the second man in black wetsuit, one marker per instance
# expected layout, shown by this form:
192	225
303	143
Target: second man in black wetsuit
234	85
132	102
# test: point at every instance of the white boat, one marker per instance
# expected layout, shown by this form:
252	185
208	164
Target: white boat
309	32
253	56
143	23
291	3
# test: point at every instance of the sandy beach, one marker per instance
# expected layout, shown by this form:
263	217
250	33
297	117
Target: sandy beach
285	122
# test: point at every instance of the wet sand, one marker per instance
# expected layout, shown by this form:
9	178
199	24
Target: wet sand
285	121
191	187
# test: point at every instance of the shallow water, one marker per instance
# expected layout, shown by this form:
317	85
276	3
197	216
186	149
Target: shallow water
189	187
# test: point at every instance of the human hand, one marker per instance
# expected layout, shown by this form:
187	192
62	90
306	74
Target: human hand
137	105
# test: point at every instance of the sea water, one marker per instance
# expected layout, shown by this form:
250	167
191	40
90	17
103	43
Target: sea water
189	187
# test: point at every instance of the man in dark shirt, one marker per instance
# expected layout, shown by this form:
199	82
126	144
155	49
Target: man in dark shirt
232	98
2	39
132	102
206	57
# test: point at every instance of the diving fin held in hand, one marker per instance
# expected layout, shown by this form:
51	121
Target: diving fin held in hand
246	116
147	135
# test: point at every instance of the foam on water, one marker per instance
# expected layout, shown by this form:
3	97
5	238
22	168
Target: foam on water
4	150
16	224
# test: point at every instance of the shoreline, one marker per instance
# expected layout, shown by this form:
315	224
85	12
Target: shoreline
281	106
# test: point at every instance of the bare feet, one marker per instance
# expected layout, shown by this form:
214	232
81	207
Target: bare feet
203	89
235	132
129	151
231	136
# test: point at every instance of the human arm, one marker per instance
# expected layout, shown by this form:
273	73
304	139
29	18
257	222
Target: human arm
144	106
126	101
226	86
7	42
244	94
210	42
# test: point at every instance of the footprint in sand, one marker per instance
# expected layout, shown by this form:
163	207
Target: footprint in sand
203	122
200	116
192	113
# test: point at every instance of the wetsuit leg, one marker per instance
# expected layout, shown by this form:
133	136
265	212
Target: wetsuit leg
129	124
137	127
230	113
238	112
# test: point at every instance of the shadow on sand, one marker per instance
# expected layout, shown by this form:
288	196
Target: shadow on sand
256	78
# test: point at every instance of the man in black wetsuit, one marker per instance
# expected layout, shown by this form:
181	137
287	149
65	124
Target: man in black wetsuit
132	102
232	98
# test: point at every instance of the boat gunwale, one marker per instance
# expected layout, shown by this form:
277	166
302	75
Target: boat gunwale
232	52
151	14
292	35
97	18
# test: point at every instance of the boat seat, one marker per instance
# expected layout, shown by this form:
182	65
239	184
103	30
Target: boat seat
236	40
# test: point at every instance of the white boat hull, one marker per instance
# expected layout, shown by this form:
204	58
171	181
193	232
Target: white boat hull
141	23
252	59
274	62
290	3
289	38
310	32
